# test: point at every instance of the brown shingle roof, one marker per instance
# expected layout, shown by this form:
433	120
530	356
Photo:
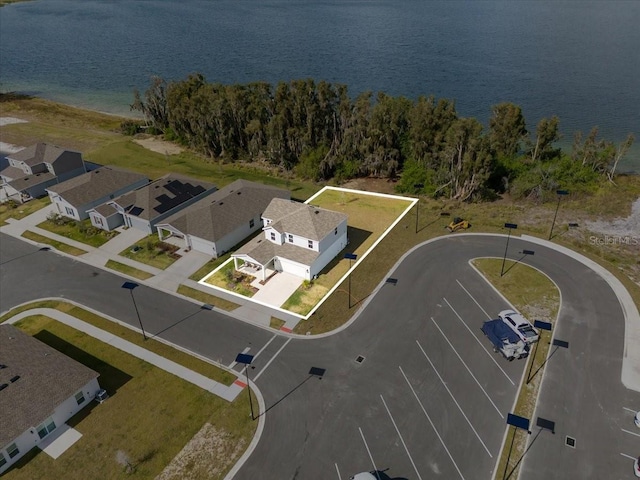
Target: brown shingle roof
12	172
91	186
219	214
30	180
46	379
301	219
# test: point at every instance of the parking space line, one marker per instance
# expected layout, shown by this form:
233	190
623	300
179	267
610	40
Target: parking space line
369	452
271	360
465	366
338	471
453	398
401	439
479	342
628	456
265	346
630	433
475	301
432	425
630	410
234	363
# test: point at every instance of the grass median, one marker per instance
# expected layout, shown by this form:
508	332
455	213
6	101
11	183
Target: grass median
149	419
536	297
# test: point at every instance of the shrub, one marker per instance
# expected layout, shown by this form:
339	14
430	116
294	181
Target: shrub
129	127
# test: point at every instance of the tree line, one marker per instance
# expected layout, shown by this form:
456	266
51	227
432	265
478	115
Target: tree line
317	131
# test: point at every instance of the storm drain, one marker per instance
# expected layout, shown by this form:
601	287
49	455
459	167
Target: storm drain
570	441
359	359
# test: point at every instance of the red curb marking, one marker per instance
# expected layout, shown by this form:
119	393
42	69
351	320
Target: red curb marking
240	384
285	329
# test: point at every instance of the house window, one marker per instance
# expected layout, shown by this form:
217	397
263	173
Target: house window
273	236
335	232
290	238
68	210
12	450
80	397
310	243
46	428
2	460
98	221
251	223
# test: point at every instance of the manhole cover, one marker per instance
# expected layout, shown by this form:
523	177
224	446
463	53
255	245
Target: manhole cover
570	441
359	359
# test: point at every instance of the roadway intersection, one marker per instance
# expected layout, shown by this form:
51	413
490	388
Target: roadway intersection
428	400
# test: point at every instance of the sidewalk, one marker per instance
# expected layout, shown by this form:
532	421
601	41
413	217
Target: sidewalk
229	393
167	280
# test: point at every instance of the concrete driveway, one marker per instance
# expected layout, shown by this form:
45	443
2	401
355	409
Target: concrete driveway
277	289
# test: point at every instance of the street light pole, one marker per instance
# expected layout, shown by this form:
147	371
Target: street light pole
509	226
560	194
350	257
246	359
541	326
130	286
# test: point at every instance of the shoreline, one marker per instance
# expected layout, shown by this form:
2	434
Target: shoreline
632	169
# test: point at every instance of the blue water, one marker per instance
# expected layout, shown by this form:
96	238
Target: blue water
576	59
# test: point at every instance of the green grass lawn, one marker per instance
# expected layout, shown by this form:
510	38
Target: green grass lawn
229	279
150	417
152	251
21	210
63	247
80	231
537	298
128	270
207	298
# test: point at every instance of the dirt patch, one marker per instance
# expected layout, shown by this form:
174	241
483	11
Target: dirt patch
207	455
371	184
10	120
158	145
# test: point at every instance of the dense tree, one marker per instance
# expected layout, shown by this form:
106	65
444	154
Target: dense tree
318	131
506	129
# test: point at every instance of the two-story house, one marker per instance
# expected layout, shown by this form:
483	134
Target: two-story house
298	238
31	170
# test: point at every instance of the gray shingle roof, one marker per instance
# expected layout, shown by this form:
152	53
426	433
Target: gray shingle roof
263	250
163	194
92	186
38	153
219	214
30	180
12	172
301	219
47	378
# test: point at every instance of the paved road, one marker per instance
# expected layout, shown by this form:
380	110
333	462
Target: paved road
429	398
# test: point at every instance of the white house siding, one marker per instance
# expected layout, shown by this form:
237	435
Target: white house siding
329	254
299	241
279	238
202	245
331	238
226	243
138	223
67	409
105	223
64	208
294	268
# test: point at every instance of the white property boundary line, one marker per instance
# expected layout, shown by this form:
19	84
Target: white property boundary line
412	202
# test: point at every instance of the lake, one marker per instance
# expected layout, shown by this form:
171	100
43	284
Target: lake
576	59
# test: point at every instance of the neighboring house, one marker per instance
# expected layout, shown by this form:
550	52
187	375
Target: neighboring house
31	170
75	197
220	221
298	238
151	203
40	389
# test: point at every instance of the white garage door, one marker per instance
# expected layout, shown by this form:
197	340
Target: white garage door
293	268
204	246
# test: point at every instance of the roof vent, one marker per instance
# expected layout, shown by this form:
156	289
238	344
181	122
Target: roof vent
2	366
3	386
15	379
317	212
239	193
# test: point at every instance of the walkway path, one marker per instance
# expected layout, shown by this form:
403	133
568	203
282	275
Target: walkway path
229	393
